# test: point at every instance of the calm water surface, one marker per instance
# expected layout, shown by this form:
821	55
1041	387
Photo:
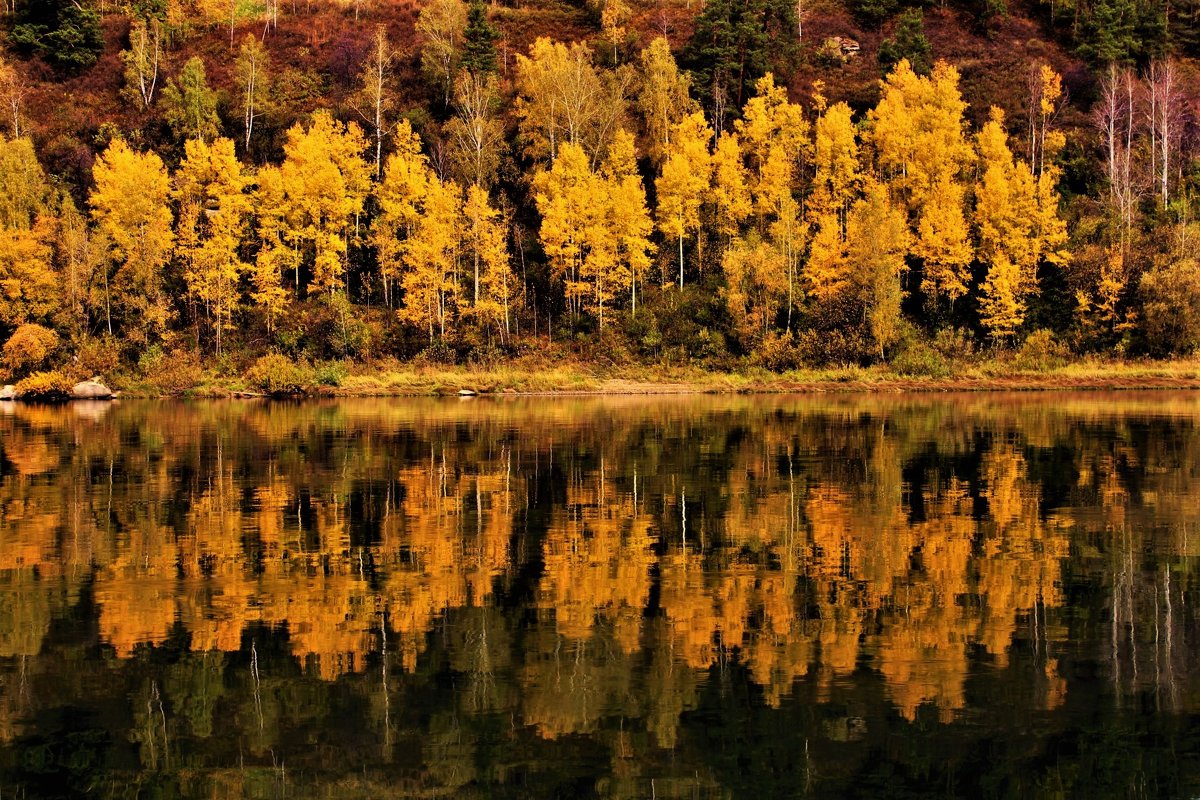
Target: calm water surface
896	596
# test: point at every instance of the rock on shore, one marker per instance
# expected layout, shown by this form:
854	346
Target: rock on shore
91	390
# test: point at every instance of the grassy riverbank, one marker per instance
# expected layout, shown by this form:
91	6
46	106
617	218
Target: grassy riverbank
530	376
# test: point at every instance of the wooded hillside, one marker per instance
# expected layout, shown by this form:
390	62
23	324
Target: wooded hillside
285	187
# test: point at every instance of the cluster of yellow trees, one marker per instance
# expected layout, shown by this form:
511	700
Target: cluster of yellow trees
823	214
810	214
883	195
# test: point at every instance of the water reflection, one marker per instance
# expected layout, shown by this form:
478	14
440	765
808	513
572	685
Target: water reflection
587	596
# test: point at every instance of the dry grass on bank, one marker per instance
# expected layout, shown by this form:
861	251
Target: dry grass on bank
533	377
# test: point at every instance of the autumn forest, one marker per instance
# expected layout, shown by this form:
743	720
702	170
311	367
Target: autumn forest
289	191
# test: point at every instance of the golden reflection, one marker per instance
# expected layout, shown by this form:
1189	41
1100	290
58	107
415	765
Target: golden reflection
650	540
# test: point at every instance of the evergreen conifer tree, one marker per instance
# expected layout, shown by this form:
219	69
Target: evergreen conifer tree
908	41
733	47
65	32
479	41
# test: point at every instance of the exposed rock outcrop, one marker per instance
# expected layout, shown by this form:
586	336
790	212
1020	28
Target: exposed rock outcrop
91	390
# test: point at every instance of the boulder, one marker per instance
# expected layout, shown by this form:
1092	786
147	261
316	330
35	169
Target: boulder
466	393
8	393
91	390
838	50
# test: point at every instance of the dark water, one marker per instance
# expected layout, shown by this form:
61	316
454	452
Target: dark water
960	596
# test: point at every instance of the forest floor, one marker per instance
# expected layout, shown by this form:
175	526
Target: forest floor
580	379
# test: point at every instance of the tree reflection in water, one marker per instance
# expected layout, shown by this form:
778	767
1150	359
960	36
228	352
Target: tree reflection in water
694	596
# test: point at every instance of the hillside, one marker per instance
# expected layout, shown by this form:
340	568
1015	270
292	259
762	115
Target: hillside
326	40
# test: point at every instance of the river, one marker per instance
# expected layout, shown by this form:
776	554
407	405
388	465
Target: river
982	595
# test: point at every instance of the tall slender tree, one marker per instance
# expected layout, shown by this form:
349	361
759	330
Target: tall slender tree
374	100
252	68
686	176
210	188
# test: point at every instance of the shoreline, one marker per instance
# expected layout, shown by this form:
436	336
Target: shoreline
578	380
534	379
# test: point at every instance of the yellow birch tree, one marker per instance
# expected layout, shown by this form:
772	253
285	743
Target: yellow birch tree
628	217
730	195
400	194
686	176
664	98
29	285
276	253
493	282
755	286
774	136
837	183
430	257
921	151
1017	224
325	182
566	197
877	239
210	188
130	204
563	99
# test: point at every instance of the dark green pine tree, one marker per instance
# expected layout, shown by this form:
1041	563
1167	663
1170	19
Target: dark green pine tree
150	9
1152	31
908	41
1185	26
66	33
874	12
1107	35
479	41
735	43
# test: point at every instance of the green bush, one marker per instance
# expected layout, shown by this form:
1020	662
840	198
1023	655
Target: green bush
66	33
150	360
279	375
820	348
487	354
330	373
955	345
641	329
1041	352
178	372
829	53
710	346
919	358
873	12
29	348
289	339
45	386
346	329
907	42
438	353
779	353
948	352
1170	323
